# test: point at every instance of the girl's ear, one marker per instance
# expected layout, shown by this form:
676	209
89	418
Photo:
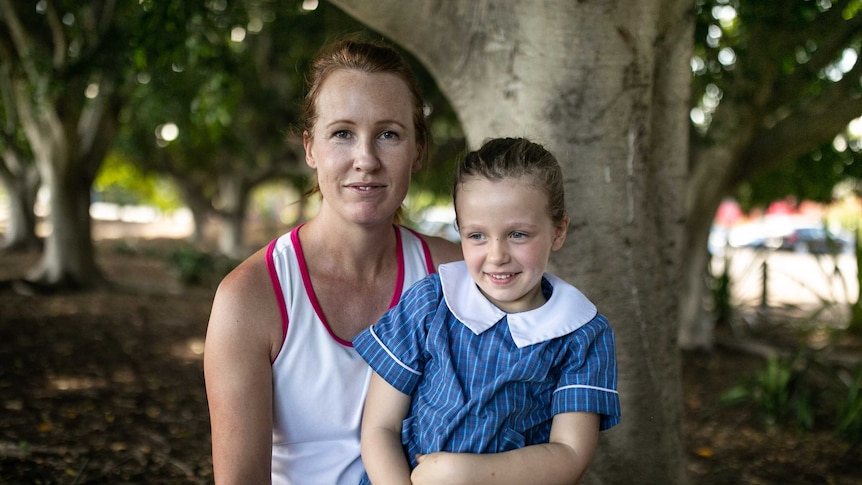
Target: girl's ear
560	231
306	144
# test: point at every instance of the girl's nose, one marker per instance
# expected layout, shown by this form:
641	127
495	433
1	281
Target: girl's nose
497	253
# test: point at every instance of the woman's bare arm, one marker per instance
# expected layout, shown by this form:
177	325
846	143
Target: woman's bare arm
238	374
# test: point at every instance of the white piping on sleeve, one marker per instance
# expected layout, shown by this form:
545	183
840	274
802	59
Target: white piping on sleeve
388	352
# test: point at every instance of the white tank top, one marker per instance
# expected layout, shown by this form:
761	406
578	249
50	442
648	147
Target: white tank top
319	381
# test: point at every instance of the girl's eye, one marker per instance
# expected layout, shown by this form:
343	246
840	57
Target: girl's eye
518	235
475	236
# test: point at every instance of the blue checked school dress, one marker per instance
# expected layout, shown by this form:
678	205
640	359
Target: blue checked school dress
486	381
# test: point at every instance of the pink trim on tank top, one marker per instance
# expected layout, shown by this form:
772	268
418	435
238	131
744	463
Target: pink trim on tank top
312	297
279	294
429	261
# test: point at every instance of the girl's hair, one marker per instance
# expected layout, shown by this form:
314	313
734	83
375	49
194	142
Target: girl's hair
356	53
499	158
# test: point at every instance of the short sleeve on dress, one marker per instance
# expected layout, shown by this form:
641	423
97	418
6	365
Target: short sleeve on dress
394	347
588	379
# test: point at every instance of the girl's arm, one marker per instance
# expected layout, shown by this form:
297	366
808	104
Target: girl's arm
382	453
563	460
238	375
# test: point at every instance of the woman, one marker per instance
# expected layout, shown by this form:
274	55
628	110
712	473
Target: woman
285	386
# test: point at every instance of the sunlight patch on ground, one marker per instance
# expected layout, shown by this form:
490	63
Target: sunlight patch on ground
75	383
190	350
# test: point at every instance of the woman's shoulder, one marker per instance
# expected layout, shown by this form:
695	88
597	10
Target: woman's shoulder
442	250
248	276
245	301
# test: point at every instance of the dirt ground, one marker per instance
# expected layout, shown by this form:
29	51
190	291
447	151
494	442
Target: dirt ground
107	387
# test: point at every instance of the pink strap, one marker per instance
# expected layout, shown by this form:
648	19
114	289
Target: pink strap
429	261
279	293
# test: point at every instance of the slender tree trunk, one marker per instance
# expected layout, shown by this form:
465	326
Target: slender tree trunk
199	207
21	188
234	197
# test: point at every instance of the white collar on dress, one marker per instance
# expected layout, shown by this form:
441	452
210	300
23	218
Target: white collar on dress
567	309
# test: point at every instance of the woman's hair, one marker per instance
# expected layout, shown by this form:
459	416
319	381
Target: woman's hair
499	158
356	53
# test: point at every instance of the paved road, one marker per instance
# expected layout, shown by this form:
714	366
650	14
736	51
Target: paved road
801	280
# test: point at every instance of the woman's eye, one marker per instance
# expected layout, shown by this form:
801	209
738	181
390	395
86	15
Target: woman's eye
389	135
341	134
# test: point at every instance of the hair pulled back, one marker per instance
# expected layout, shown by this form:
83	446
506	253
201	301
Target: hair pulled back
356	53
499	158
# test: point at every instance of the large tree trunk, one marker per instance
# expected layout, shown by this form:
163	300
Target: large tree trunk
69	152
68	259
605	86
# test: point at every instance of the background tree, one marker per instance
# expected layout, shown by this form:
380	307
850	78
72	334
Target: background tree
604	85
233	95
230	95
18	172
68	68
775	82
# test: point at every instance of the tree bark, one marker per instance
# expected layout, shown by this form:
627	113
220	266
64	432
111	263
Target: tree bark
605	86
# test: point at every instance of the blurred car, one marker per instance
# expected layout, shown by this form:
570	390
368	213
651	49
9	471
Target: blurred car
815	240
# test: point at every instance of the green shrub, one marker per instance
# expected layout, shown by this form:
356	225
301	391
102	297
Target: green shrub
193	267
779	392
849	412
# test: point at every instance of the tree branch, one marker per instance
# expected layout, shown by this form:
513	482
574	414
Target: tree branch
806	127
832	34
58	35
21	42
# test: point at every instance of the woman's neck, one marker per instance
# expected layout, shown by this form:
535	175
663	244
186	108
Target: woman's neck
363	249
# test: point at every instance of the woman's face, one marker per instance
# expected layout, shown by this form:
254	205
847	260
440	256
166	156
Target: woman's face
363	147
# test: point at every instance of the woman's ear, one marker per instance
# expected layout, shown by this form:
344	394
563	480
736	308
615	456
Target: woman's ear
306	144
417	164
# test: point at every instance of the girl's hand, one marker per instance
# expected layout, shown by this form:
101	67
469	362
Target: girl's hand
441	468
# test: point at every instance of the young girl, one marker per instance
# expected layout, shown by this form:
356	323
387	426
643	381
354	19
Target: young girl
492	371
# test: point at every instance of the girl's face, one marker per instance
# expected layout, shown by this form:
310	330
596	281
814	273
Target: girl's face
507	237
364	145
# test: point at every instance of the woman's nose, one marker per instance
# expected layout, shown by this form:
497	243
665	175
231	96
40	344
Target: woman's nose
365	156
